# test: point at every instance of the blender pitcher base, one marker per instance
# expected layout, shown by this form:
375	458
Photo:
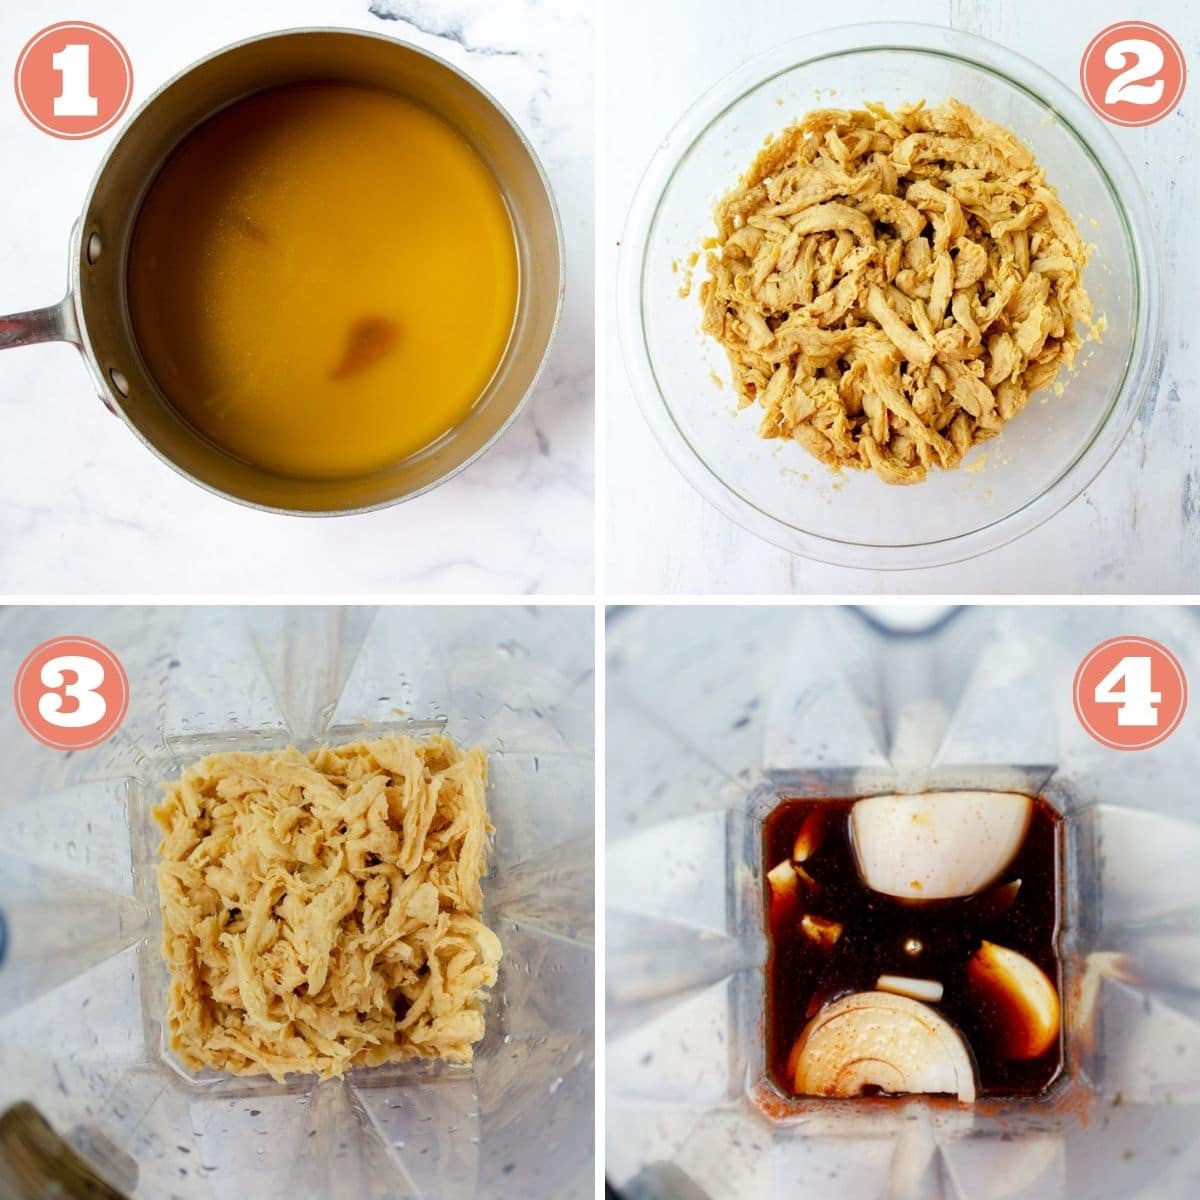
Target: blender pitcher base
818	702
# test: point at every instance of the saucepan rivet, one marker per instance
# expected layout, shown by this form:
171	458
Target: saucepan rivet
119	381
93	249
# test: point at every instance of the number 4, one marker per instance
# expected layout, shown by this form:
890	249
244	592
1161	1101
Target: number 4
1138	702
74	64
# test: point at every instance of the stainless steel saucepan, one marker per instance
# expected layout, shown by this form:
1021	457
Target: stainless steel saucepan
94	315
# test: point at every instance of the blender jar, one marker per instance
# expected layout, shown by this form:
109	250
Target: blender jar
92	1100
716	713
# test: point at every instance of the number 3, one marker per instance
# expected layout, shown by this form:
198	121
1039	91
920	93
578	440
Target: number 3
1148	60
90	706
1139	703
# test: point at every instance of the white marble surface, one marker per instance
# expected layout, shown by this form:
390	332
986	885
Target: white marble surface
84	508
1136	530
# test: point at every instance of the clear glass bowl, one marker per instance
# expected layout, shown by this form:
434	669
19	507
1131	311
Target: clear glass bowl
1043	459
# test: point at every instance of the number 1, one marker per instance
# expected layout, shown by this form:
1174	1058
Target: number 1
75	99
1138	702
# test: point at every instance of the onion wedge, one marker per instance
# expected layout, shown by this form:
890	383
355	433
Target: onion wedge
1023	999
937	845
875	1041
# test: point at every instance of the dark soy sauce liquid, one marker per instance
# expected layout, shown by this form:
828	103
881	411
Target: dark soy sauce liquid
802	976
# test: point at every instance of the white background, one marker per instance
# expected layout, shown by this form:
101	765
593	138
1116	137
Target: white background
85	508
1136	530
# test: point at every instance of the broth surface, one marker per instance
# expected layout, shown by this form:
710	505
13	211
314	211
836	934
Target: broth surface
323	279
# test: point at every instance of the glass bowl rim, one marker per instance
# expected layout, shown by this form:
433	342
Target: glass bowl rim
1141	366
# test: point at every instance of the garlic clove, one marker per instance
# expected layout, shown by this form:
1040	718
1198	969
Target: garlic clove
821	930
929	990
992	904
938	844
785	891
782	877
1023	1002
876	1041
809	839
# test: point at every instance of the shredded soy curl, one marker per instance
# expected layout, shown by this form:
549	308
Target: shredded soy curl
321	911
891	288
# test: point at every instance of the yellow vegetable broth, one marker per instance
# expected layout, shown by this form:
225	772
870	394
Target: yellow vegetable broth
323	279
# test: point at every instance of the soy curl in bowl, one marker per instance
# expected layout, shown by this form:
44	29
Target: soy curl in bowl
1045	456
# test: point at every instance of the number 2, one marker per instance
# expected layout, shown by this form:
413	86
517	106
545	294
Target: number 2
90	706
1138	702
75	99
1148	60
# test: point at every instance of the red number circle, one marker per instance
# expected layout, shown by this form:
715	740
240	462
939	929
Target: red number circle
1149	719
73	80
71	693
1133	73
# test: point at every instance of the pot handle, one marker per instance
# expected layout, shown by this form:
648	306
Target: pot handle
57	323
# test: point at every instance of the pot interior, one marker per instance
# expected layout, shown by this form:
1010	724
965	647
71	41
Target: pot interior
102	245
